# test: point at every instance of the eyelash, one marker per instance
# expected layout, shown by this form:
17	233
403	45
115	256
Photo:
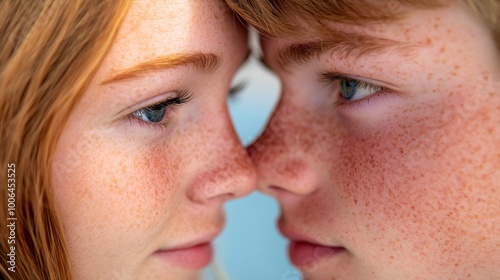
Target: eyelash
236	89
330	78
181	98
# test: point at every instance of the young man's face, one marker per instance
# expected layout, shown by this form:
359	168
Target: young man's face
385	159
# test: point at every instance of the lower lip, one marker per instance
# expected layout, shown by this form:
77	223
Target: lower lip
305	254
195	257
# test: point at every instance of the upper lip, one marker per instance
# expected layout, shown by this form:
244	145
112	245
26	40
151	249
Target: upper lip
202	239
296	236
293	235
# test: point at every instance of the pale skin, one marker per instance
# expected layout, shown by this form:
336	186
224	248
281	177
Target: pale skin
404	180
124	188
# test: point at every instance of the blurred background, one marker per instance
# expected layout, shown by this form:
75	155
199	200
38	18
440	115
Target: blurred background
250	247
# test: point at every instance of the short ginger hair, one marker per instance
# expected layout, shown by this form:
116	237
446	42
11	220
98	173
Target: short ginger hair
280	18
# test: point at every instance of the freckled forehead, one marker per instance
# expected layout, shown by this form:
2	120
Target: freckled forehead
153	28
451	29
157	18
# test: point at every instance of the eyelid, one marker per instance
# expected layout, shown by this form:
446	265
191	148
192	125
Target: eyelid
158	99
144	103
331	77
180	98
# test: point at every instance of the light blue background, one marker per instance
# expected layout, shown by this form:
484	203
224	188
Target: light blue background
250	247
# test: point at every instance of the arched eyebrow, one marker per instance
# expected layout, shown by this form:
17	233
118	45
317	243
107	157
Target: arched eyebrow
206	62
342	44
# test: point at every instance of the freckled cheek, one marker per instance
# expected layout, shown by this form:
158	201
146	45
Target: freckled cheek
132	188
384	169
406	176
370	185
162	180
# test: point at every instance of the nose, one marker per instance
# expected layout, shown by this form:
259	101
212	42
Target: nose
283	153
225	168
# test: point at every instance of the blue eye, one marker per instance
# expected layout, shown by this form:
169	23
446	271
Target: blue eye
348	88
156	114
152	114
352	89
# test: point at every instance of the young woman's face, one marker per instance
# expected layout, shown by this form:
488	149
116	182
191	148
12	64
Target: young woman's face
385	159
148	157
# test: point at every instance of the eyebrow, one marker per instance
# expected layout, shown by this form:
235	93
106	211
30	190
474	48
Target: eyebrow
343	44
206	62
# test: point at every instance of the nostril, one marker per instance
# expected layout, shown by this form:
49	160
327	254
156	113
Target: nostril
204	194
289	176
232	178
274	188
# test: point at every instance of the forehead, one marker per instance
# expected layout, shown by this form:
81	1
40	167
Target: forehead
154	28
452	26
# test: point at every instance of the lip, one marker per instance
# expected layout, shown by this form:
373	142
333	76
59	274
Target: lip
194	254
305	251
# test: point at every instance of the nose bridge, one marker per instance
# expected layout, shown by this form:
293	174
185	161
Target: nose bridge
225	170
275	134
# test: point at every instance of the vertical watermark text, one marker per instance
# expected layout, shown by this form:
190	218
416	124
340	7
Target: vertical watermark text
11	216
